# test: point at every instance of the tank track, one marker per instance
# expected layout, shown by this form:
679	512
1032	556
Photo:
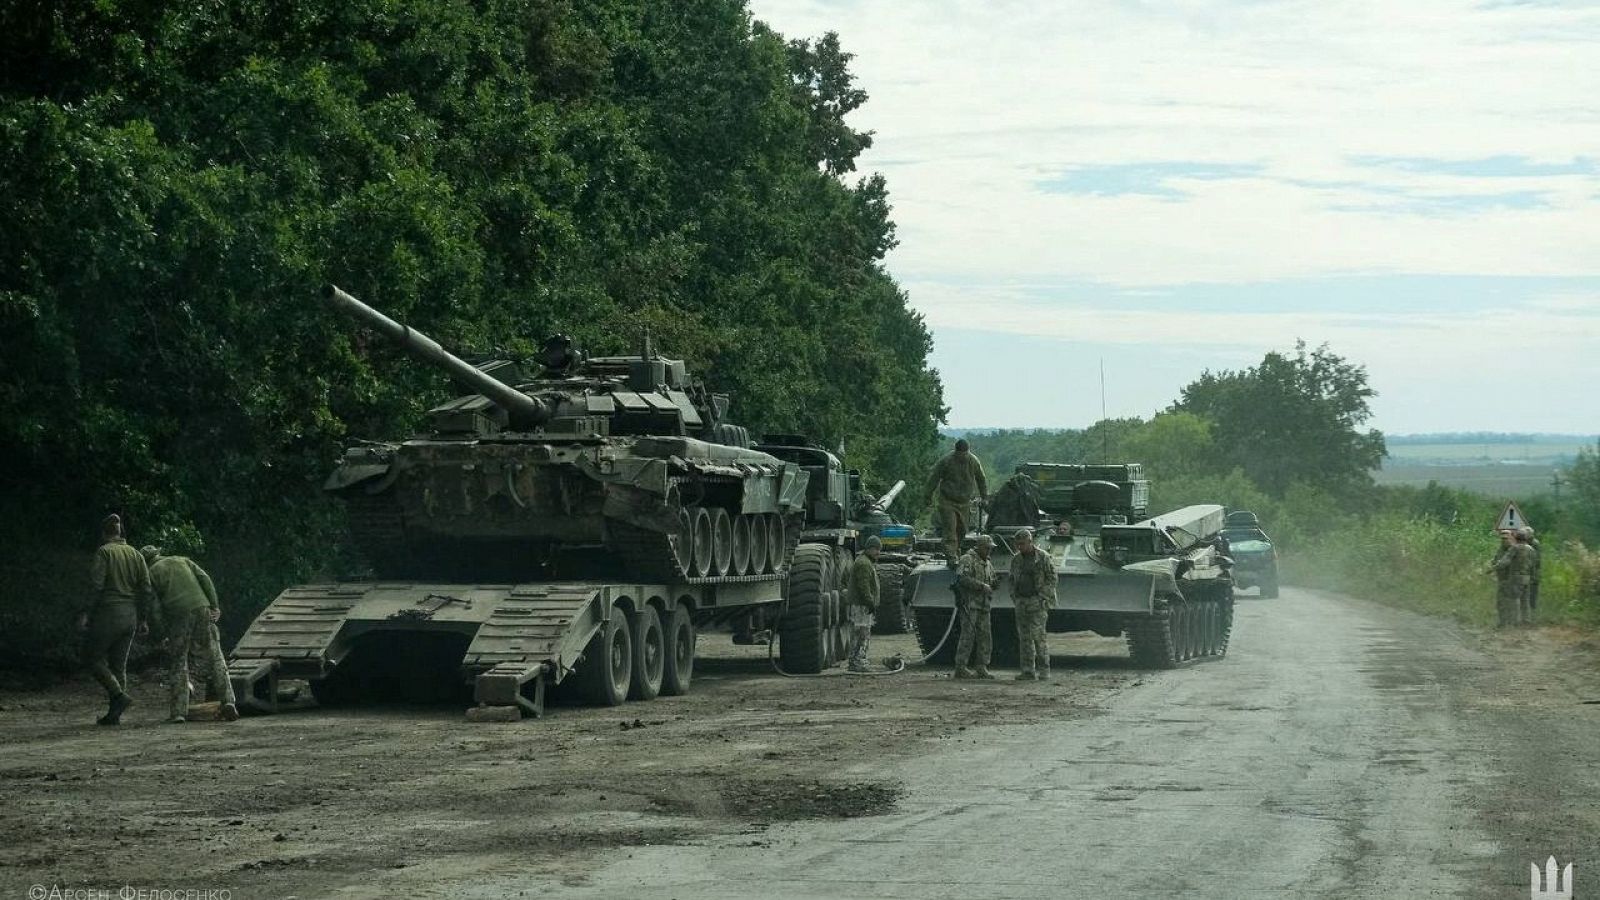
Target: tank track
1180	631
891	616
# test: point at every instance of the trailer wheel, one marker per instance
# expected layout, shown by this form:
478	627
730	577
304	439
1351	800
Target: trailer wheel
678	662
649	654
607	668
803	639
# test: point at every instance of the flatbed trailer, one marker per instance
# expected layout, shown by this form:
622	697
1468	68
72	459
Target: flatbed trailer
507	643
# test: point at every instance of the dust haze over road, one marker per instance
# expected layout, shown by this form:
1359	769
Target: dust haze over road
1342	749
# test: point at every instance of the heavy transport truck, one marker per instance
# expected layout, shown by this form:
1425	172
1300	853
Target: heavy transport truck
585	520
1159	581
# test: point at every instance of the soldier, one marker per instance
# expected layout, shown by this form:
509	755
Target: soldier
956	481
1063	531
1033	590
185	613
1509	567
119	604
1529	565
975	583
863	601
1533	578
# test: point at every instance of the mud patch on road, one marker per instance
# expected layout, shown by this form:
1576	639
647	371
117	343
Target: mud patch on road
790	799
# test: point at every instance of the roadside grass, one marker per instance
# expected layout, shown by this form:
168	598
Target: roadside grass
1439	569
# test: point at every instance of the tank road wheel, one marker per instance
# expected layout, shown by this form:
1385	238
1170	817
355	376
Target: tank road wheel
721	542
700	519
741	546
890	617
758	544
803	637
607	668
1151	639
777	542
678	665
649	654
682	542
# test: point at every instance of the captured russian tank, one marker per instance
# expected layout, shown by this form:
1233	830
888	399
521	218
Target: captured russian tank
614	467
1159	581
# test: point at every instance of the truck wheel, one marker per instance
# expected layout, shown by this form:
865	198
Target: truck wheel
1269	586
607	668
678	664
649	654
890	617
803	638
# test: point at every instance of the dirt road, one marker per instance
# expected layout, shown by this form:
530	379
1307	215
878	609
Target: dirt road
1341	750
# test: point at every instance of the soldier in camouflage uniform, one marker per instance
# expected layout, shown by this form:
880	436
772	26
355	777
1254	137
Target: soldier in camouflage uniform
975	583
957	480
1510	567
1033	590
1533	578
185	615
1530	566
119	607
863	601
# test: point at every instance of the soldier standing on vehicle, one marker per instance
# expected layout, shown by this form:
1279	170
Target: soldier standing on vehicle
118	606
957	480
975	583
1509	567
1033	590
1533	577
185	615
863	601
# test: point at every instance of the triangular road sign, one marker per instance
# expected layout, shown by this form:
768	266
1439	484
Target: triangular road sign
1511	518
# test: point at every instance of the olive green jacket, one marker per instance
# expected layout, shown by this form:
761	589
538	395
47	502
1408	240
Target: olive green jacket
118	575
864	582
957	478
181	588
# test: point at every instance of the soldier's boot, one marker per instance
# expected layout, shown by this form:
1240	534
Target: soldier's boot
119	705
229	712
1026	676
176	720
962	672
981	672
1044	675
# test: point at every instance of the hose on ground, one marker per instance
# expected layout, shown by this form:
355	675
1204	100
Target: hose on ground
893	665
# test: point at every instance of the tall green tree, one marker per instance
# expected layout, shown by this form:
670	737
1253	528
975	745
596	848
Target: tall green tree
1291	419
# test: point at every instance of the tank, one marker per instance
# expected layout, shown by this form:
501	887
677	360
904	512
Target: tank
1161	582
620	467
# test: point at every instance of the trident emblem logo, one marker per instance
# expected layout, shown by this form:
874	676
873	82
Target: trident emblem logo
1553	888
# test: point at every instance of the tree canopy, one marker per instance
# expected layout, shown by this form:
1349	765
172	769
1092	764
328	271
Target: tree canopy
178	179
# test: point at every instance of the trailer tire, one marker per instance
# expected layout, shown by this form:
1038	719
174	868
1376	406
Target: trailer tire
606	672
678	662
649	654
803	638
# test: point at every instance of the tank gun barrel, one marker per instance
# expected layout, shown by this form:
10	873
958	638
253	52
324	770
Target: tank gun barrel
522	408
889	495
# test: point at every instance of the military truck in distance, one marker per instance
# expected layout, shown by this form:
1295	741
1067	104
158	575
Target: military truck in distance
589	518
1159	581
1255	559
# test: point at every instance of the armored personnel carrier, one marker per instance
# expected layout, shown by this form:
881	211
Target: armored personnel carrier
1159	581
618	466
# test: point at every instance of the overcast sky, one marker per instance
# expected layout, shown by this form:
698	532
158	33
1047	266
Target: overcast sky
1175	186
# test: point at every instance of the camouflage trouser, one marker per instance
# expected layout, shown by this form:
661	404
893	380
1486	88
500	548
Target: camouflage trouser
194	631
953	523
1525	606
1508	602
976	642
106	646
1033	652
861	621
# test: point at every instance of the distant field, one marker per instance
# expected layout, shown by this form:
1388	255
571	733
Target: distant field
1407	454
1513	482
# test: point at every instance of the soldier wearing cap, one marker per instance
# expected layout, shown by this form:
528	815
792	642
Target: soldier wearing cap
975	583
185	615
956	481
863	601
119	607
1033	590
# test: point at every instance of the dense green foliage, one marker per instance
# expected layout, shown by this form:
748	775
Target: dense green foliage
177	179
